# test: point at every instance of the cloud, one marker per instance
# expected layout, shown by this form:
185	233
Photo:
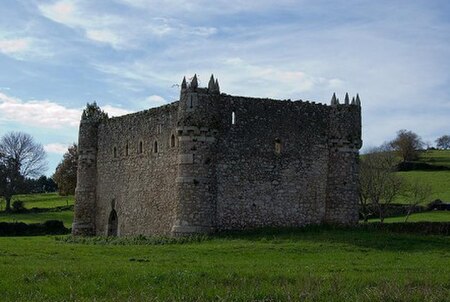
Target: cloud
38	113
45	113
154	101
115	111
119	31
56	148
12	46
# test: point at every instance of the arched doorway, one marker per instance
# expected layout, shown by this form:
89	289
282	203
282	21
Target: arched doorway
112	223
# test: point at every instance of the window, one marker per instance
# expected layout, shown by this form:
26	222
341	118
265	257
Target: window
172	141
115	152
141	149
233	118
126	150
190	101
277	146
155	147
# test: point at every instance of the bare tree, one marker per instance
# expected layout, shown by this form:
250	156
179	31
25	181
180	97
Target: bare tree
379	184
407	144
417	193
443	142
20	157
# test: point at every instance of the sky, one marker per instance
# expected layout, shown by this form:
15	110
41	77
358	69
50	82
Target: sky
129	55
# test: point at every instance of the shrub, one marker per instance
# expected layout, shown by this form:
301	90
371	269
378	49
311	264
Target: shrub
18	206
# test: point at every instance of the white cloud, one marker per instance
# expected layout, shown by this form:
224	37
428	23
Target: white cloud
155	101
119	31
38	113
56	148
45	113
115	111
12	46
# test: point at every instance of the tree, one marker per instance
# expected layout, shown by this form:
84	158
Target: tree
66	172
379	184
406	144
417	193
20	157
443	142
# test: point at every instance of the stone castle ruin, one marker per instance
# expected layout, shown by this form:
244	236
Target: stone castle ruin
211	162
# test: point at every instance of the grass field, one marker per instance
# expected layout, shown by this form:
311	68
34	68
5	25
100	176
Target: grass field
438	180
43	200
433	216
436	157
313	265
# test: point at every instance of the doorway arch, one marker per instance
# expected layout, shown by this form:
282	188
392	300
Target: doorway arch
112	223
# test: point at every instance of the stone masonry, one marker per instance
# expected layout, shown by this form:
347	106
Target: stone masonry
211	162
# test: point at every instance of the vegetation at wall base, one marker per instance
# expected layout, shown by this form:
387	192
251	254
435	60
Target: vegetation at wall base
312	264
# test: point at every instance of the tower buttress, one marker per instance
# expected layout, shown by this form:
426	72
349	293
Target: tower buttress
196	182
85	192
344	142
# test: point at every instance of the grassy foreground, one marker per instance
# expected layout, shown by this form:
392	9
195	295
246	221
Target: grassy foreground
310	265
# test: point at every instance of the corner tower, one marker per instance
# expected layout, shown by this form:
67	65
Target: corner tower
344	142
197	130
85	192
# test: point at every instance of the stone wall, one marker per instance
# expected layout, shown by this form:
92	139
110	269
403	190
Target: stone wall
273	163
138	183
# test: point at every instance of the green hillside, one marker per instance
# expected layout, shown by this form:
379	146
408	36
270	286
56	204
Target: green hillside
438	180
435	157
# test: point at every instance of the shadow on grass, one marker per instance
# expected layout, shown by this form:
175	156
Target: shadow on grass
356	236
353	237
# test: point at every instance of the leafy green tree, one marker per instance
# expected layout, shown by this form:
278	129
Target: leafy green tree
66	172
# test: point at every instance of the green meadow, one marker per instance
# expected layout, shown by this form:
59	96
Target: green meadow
311	264
315	264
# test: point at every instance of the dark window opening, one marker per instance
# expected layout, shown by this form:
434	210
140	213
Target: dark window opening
126	150
277	146
172	141
115	152
155	147
190	101
140	148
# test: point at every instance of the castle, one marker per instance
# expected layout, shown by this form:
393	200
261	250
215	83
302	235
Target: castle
211	162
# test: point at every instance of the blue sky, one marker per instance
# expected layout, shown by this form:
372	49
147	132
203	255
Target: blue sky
127	54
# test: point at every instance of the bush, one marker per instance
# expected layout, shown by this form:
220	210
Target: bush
426	228
18	206
50	227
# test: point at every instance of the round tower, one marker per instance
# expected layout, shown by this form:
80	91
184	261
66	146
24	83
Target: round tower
85	192
196	182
